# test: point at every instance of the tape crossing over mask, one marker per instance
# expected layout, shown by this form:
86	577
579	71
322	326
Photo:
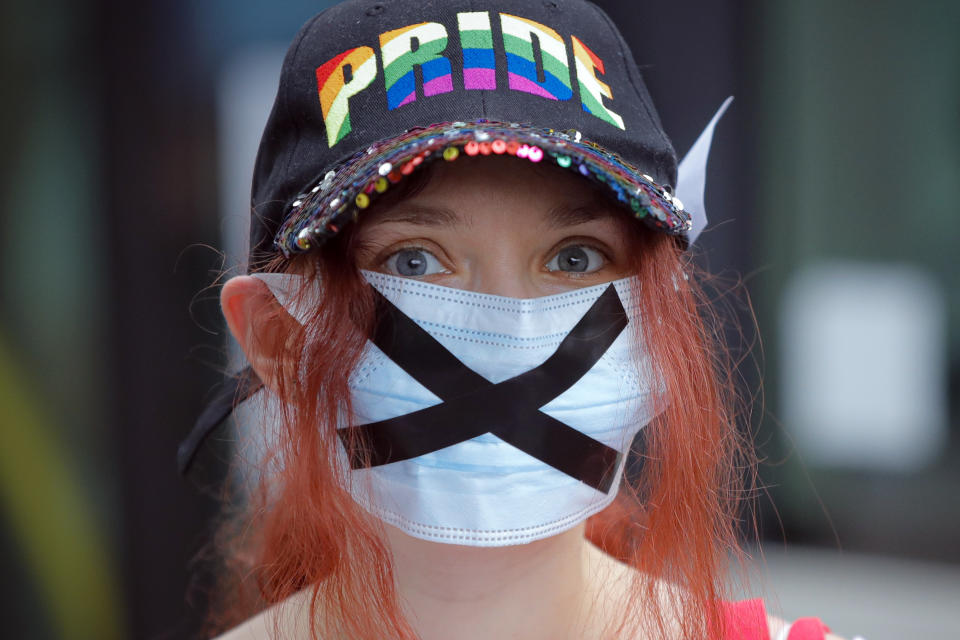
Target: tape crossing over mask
488	420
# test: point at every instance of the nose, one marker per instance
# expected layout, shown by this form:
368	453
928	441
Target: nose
503	271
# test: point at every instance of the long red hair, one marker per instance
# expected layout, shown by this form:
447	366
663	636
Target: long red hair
674	519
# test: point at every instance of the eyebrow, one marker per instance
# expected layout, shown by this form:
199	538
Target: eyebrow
420	215
569	216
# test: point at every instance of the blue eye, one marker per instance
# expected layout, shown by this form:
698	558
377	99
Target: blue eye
576	258
413	262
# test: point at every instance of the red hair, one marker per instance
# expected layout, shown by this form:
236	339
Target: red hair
673	520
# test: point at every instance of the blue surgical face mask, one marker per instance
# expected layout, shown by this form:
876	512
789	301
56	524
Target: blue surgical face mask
494	421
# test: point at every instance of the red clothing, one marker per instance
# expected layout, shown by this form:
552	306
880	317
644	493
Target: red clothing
747	620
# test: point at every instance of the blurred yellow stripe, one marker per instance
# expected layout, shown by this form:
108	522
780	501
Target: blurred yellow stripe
50	515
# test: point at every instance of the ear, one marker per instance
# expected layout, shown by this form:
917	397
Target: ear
258	323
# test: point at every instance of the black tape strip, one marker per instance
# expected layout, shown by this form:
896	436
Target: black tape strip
230	392
472	403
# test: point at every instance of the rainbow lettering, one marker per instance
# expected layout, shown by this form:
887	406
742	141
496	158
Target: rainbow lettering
536	63
522	67
416	45
592	90
335	92
476	39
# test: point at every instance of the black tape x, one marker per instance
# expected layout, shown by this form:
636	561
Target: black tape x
474	406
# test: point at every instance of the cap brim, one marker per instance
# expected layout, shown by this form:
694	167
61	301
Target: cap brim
341	193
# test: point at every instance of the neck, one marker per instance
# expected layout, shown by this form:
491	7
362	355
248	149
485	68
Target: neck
543	589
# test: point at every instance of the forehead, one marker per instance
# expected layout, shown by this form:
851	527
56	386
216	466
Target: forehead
501	188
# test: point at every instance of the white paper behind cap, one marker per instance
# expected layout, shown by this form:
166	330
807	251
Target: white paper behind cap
692	175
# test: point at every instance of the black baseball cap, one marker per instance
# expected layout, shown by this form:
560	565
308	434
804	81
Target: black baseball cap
372	90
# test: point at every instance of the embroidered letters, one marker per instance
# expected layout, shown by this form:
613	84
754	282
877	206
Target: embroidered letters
536	63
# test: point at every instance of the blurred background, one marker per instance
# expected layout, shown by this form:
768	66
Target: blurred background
128	131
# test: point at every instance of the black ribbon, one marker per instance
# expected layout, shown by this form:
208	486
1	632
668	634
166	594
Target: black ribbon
474	406
230	393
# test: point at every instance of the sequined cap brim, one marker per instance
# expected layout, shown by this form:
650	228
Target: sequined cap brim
338	197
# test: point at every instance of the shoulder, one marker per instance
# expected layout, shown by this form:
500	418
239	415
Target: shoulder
289	618
256	628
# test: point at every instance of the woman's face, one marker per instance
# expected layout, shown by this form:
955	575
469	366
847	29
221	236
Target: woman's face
501	226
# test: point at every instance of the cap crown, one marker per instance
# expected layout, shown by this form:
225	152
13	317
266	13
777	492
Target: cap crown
367	70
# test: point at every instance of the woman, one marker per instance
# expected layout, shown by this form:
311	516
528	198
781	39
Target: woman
457	350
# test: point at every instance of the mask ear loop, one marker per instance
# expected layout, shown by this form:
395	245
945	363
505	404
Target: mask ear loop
284	287
692	175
